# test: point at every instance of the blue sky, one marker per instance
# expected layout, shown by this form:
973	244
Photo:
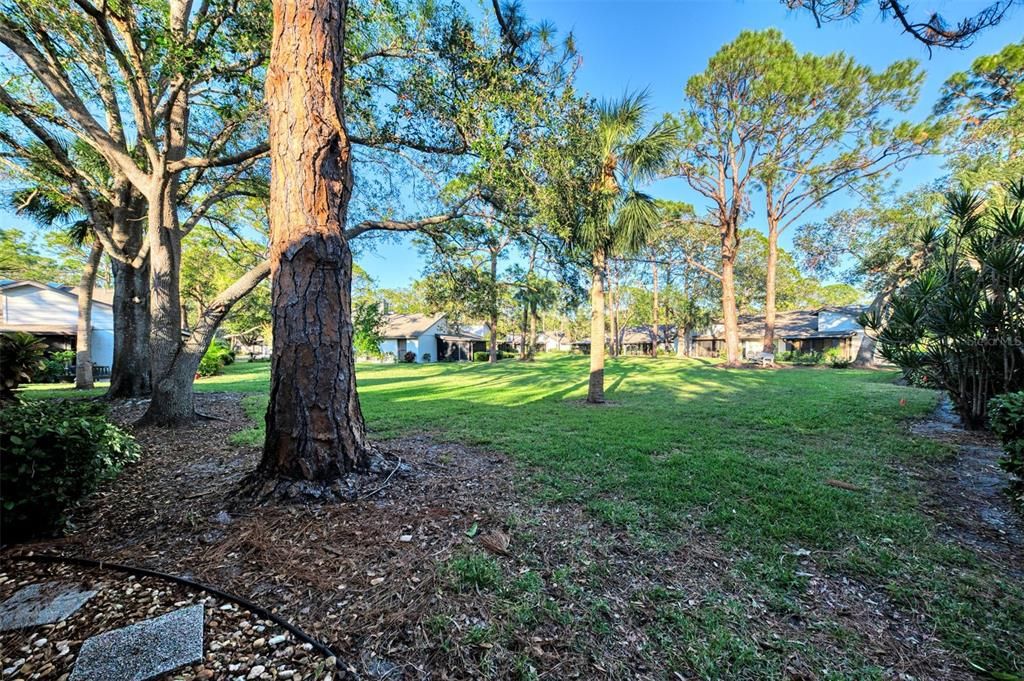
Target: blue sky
659	44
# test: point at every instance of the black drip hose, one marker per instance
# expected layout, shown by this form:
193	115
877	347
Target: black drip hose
262	612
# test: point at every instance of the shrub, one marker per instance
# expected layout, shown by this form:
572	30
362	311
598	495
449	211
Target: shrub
835	358
426	356
21	356
409	357
1006	417
797	357
54	453
216	357
958	319
55	367
485	355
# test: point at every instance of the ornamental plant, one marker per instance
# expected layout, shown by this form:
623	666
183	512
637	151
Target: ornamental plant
959	323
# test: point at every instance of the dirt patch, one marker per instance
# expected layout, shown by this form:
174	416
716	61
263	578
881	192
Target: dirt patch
969	497
454	569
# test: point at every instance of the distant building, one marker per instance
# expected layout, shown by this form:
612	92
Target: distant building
795	331
428	337
50	311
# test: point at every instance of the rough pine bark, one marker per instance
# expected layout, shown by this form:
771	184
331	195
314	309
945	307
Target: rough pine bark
730	317
315	429
83	344
595	389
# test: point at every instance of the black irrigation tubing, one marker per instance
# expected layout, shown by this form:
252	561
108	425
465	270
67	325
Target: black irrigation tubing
259	610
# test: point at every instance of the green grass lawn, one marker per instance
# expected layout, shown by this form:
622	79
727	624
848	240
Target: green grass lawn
743	455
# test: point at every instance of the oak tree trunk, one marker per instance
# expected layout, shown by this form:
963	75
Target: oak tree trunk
315	428
130	372
866	351
83	347
595	389
769	288
172	401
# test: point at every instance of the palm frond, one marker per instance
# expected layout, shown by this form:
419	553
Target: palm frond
635	219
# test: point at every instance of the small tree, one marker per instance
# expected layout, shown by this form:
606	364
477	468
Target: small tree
367	320
960	322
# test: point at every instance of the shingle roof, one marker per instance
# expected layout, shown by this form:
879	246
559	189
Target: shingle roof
408	325
792	324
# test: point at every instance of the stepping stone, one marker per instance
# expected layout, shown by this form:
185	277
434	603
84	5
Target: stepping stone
144	649
38	604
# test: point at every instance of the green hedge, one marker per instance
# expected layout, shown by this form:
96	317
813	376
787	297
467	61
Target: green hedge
1006	417
52	455
485	356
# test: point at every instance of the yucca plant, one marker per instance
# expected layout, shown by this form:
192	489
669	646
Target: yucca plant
959	323
21	356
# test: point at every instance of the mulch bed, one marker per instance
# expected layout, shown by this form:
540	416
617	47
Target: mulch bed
373	578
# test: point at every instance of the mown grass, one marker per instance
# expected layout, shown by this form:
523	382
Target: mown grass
742	454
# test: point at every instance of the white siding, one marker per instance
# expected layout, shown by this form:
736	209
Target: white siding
32	305
837	321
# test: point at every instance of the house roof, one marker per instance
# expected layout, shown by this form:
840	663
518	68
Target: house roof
103	296
408	325
792	324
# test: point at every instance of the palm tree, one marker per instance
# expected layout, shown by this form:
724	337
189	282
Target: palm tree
619	218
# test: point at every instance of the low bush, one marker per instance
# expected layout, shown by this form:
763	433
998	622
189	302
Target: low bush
54	368
1006	418
426	356
485	355
217	356
52	455
409	357
836	359
21	357
797	357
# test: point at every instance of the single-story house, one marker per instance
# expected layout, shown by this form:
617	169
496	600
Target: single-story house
50	311
554	341
795	331
429	337
639	340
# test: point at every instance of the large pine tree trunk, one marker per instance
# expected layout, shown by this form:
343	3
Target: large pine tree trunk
315	428
83	346
130	372
769	288
595	390
730	317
